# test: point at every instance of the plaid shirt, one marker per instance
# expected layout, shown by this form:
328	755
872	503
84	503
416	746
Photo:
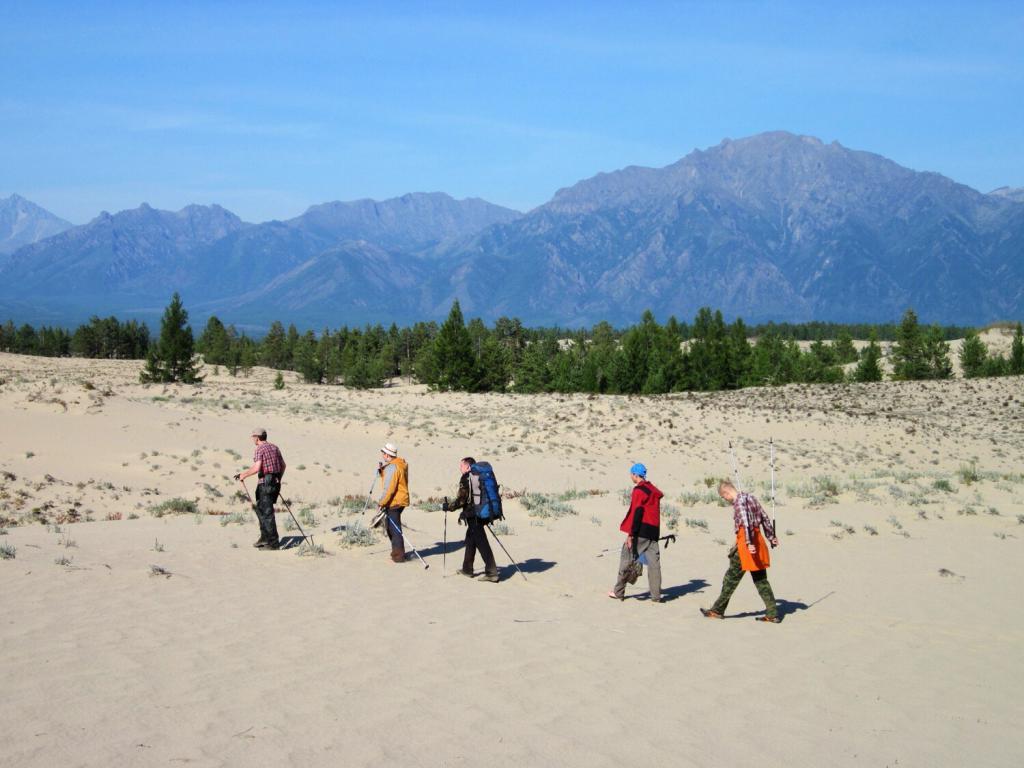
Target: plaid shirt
748	513
270	459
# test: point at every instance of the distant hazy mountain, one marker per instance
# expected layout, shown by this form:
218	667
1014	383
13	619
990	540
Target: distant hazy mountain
771	227
22	222
775	226
1010	193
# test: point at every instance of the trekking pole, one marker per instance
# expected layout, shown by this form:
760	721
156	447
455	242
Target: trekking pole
289	508
444	555
670	539
771	443
253	503
401	533
369	495
488	527
735	467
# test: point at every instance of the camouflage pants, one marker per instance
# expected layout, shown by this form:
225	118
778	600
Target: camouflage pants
731	580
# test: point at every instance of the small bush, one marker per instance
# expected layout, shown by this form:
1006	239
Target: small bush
871	530
700	524
501	528
235	517
175	506
8	552
357	535
943	485
279	381
968	473
544	505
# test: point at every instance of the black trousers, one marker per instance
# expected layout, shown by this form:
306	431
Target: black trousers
476	539
266	497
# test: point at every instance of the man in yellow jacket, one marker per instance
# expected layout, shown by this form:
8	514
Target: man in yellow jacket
394	497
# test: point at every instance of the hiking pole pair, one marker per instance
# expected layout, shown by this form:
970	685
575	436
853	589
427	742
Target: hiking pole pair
401	533
488	527
287	506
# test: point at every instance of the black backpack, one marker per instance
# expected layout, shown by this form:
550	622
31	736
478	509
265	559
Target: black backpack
490	493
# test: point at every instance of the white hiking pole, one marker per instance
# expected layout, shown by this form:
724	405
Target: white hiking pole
735	467
771	443
369	495
401	533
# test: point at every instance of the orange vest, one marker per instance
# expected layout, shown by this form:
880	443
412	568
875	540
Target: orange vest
756	561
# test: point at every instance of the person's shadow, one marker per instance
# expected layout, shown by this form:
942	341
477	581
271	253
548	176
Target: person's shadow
672	593
533	565
783	606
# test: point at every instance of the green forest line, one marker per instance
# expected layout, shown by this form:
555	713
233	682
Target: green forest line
647	358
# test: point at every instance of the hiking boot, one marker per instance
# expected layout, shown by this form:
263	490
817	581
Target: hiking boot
397	557
613	596
491	577
711	613
260	542
656	600
769	619
270	546
464	572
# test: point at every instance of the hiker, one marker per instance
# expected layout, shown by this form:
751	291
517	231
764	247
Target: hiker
642	526
750	553
268	464
469	500
394	497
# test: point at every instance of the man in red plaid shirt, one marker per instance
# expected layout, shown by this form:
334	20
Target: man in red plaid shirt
268	464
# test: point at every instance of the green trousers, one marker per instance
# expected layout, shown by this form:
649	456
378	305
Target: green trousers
731	580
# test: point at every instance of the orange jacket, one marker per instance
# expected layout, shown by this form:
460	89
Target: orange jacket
394	484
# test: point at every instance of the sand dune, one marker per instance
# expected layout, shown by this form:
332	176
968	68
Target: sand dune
900	508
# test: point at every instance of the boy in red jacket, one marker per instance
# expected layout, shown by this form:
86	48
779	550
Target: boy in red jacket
642	526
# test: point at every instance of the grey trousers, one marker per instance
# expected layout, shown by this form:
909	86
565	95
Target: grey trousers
653	567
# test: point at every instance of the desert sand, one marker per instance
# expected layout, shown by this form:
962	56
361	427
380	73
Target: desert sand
131	639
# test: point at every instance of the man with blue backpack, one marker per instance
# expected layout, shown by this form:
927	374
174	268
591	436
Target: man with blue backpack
480	502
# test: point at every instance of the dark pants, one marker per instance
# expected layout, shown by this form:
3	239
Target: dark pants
266	496
732	578
394	523
476	539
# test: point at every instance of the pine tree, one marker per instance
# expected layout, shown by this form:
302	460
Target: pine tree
936	353
1016	365
213	343
908	354
842	348
274	349
869	369
172	358
973	354
453	357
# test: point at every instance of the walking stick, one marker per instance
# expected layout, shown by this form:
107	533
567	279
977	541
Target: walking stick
369	495
488	527
289	508
735	467
401	533
771	443
286	506
444	555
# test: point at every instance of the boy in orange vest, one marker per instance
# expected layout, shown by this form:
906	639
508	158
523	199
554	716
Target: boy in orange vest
749	554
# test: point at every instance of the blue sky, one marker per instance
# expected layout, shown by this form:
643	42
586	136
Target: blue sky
267	108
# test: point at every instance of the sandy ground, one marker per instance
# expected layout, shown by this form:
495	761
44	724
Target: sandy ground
899	507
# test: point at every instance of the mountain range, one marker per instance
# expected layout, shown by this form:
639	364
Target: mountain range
771	227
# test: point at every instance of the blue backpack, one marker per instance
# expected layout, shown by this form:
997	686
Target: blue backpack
490	493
